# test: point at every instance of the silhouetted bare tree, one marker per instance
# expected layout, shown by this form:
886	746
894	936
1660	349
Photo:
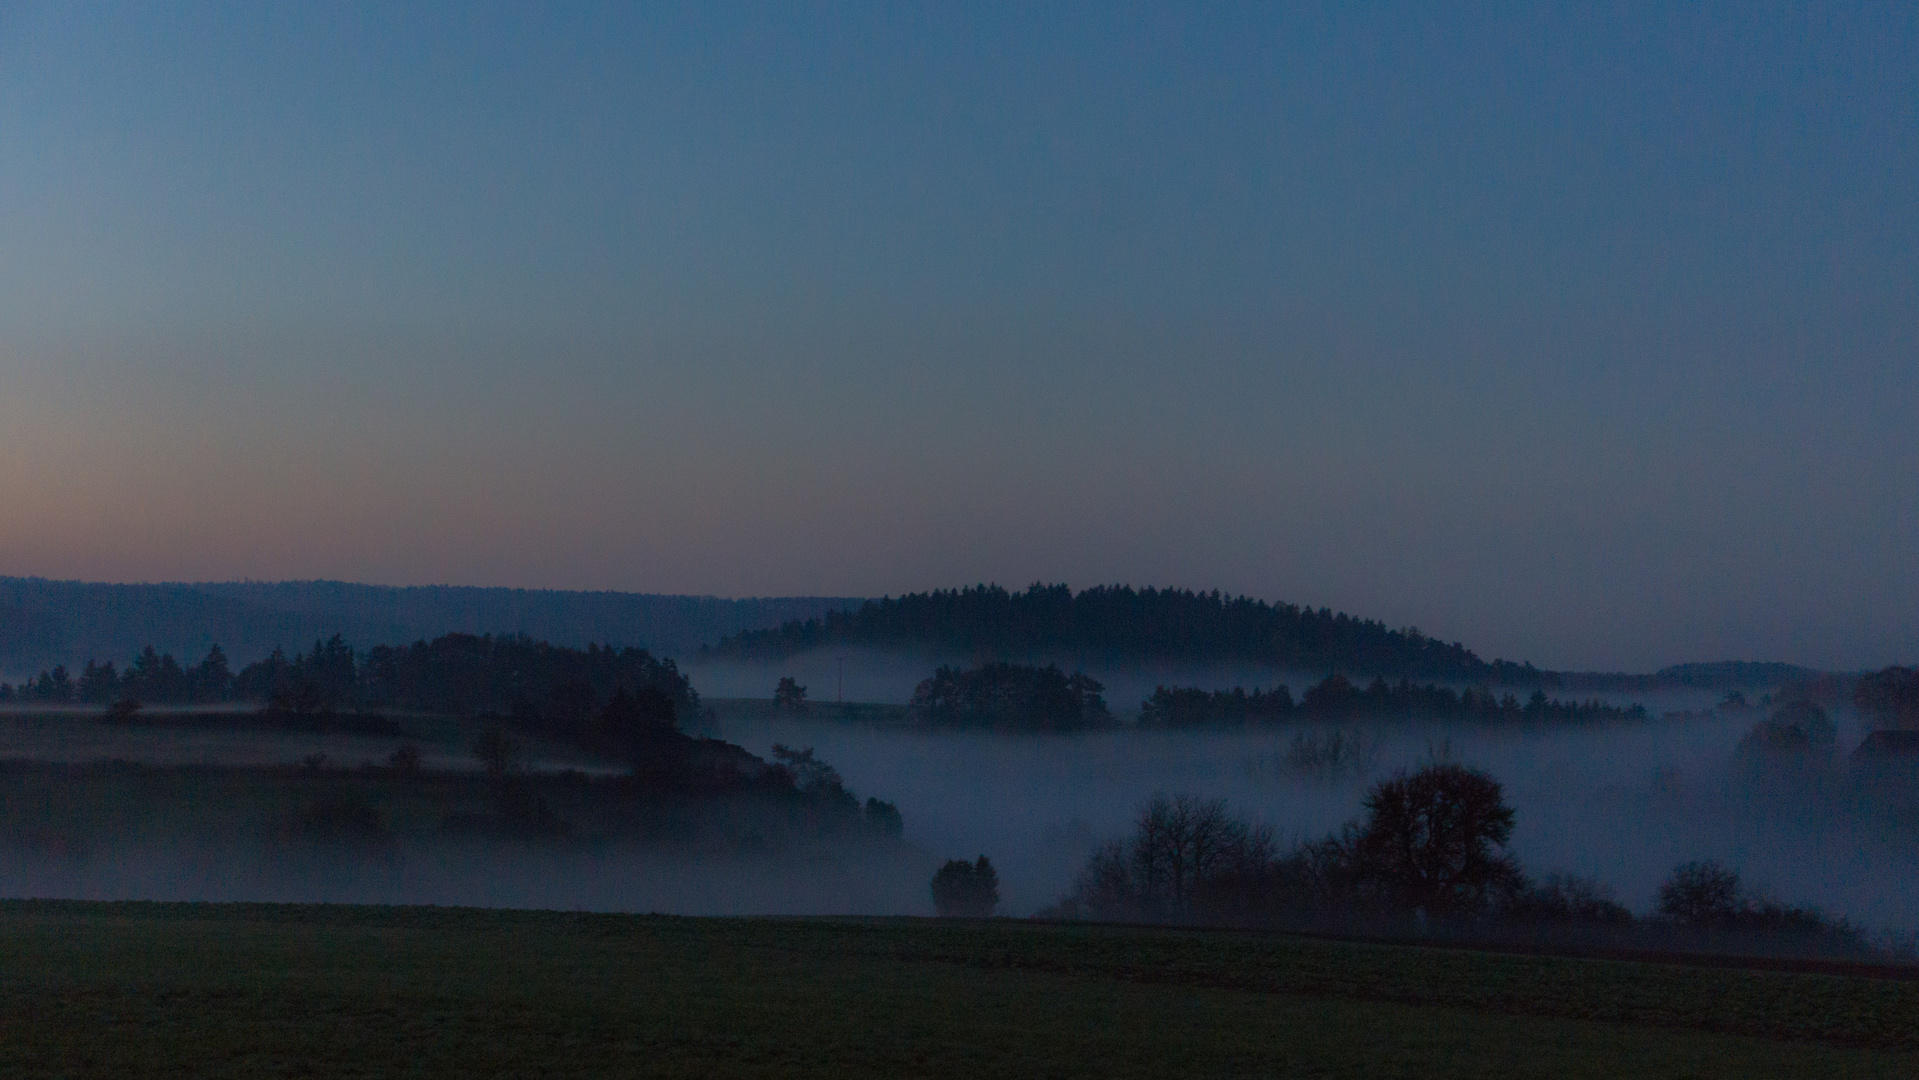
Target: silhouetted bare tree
1435	841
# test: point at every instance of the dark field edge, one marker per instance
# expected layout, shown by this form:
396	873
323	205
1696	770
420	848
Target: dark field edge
1791	1006
1843	1008
423	914
1898	970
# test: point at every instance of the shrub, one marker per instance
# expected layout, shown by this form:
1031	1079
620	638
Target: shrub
789	696
1797	728
1188	860
1701	893
1567	901
1707	899
966	890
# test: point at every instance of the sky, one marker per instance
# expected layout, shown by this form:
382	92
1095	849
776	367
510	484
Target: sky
1584	334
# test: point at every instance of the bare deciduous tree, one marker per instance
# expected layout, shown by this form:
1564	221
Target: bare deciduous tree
1435	841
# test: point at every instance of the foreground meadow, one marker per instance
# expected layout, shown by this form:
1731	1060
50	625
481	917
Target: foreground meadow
283	990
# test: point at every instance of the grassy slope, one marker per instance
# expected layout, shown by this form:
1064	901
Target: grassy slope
271	991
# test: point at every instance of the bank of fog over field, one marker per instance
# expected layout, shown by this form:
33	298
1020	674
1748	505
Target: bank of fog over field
1619	797
1620	800
1623	803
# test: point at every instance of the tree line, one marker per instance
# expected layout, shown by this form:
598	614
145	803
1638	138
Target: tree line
1022	697
151	677
1890	696
1337	698
1121	624
458	673
1430	855
623	703
1010	697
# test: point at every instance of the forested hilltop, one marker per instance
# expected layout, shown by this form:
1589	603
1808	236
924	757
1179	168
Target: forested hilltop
44	624
1120	624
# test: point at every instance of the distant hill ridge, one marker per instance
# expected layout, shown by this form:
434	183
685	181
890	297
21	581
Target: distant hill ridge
1718	675
1121	624
45	622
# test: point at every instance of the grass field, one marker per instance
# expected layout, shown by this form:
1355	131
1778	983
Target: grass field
261	990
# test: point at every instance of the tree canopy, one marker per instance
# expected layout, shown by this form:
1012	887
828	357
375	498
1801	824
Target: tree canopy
1337	698
1890	696
1121	624
1011	697
966	890
1434	841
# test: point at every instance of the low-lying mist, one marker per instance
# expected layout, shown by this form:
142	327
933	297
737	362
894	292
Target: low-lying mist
1622	803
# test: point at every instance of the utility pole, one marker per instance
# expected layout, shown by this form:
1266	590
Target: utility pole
840	697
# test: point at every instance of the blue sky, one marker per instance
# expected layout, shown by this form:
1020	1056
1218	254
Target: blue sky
1584	335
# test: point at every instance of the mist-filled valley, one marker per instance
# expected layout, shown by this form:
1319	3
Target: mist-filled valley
832	766
852	541
201	807
193	808
1623	804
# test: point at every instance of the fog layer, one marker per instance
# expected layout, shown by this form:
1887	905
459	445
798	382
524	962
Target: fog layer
1622	803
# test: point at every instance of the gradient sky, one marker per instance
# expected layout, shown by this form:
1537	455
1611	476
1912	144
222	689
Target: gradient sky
1586	336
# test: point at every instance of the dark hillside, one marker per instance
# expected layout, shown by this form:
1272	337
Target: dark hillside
1120	624
1733	674
1718	675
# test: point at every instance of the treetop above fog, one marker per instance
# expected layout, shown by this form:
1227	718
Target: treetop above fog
1121	624
1011	697
1890	696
